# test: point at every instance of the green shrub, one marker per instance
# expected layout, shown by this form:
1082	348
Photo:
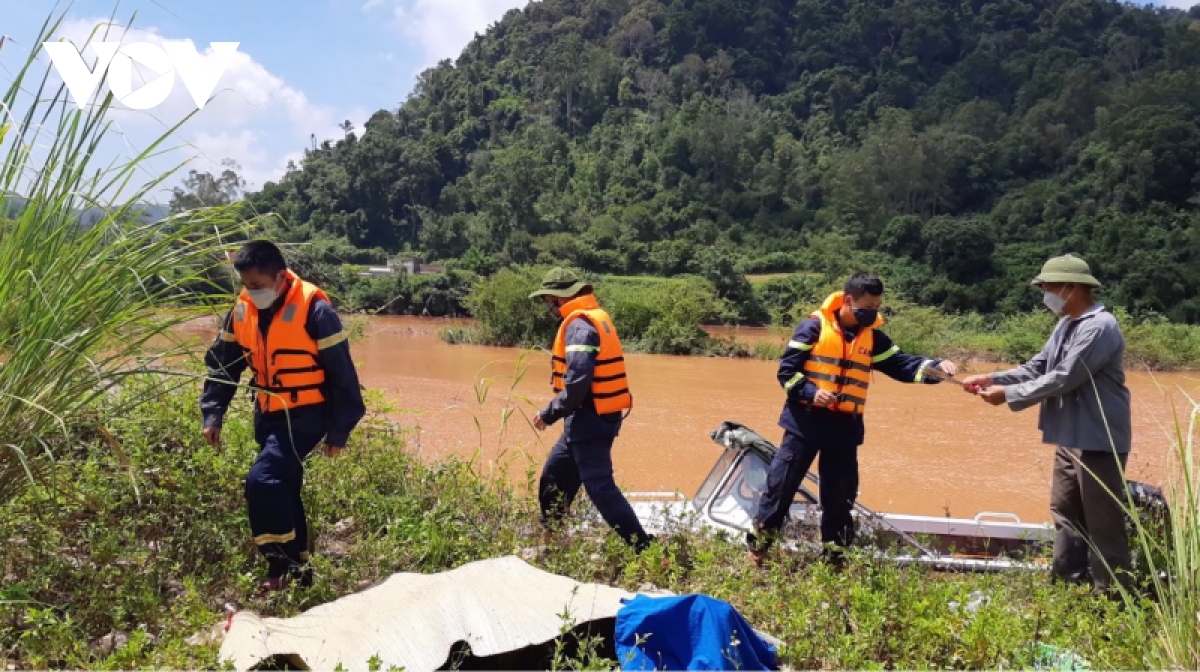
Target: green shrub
663	316
656	315
506	314
789	300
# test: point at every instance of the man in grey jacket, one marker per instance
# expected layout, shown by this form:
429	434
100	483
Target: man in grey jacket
1079	381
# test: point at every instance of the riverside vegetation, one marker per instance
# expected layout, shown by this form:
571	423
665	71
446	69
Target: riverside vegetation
150	542
123	535
664	316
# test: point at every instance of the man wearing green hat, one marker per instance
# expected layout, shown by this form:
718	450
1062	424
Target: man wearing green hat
1079	381
592	397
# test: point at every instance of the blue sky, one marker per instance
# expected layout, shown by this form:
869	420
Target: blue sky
303	66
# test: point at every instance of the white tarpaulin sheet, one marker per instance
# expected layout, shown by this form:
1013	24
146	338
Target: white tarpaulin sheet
414	620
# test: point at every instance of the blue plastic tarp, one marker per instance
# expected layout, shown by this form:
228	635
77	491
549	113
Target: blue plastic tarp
688	632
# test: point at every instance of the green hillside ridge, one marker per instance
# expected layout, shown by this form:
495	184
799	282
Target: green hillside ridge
949	146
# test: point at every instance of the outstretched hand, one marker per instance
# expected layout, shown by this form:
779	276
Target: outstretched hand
993	395
976	384
947	367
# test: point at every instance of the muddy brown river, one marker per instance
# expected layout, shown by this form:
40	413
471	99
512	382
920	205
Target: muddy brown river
932	450
929	449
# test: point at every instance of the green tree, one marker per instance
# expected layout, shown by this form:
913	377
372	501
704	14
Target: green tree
205	190
952	145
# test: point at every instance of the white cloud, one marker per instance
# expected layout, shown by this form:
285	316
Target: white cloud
254	116
1179	4
442	28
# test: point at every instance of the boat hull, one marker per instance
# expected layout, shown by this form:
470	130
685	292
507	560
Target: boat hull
728	498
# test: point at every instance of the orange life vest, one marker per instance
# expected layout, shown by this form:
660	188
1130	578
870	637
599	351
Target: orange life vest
286	372
610	386
840	366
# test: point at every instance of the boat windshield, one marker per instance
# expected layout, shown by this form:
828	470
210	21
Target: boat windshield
714	478
736	501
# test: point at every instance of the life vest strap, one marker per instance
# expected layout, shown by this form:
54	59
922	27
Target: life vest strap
607	379
836	380
292	391
300	369
599	362
858	402
291	351
841	363
597	379
286	388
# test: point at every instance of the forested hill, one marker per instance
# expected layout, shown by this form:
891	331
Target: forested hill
950	145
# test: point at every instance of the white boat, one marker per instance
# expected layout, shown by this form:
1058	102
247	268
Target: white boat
728	499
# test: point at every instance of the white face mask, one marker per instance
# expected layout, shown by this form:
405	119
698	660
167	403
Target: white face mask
263	298
1054	302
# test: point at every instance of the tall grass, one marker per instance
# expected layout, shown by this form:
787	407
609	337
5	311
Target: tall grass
80	307
1170	619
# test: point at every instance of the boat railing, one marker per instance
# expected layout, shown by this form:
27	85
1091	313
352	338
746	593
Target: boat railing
655	496
997	516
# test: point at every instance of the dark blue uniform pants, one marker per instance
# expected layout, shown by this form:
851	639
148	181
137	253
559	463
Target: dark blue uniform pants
838	471
277	520
572	463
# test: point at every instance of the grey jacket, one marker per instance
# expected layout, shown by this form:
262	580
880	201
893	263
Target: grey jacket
1079	380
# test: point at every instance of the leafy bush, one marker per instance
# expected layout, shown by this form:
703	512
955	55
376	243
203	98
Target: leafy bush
788	300
656	315
663	316
506	314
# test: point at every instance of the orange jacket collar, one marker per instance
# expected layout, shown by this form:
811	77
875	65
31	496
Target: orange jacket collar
585	302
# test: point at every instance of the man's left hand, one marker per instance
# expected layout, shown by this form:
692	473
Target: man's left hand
538	423
993	395
947	367
332	451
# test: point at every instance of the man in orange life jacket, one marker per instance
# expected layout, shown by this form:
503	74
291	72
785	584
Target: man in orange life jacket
826	372
588	373
306	389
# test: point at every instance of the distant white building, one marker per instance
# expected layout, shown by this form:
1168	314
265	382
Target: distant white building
407	265
414	266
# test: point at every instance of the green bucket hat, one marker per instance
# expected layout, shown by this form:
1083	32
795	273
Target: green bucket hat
561	282
1066	269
